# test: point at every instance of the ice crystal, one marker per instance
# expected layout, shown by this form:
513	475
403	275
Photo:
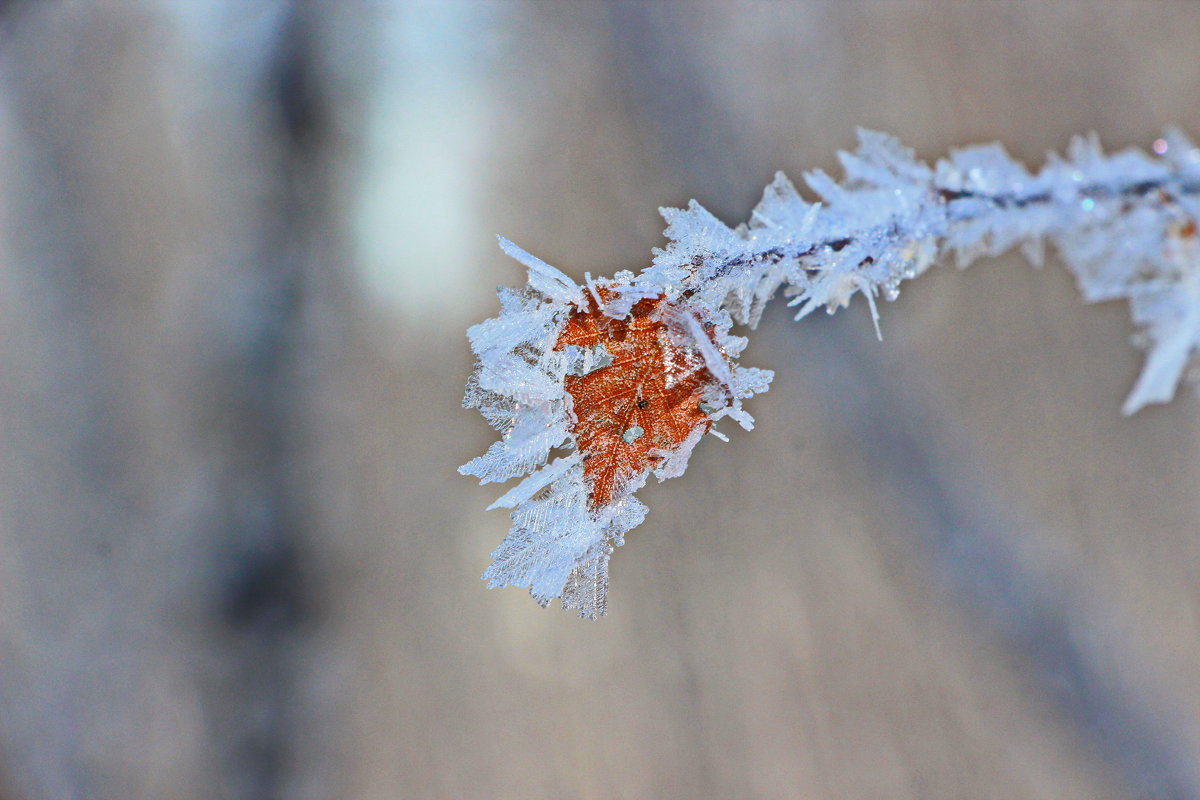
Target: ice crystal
625	376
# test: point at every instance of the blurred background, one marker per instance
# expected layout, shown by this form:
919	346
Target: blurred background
240	245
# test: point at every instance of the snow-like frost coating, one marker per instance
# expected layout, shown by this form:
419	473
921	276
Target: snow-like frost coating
568	517
1125	224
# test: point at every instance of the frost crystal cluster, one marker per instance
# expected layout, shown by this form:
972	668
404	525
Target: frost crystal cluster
621	377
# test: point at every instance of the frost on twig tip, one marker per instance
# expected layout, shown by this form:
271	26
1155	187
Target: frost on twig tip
623	396
620	378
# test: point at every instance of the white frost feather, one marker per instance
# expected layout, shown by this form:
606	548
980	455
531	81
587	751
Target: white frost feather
543	277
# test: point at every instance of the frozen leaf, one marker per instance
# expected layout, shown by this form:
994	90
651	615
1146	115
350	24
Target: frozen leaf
629	395
628	374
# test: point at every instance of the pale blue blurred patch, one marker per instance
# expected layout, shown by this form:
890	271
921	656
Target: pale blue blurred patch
416	217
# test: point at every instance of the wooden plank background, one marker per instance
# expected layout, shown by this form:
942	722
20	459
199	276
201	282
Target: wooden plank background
239	249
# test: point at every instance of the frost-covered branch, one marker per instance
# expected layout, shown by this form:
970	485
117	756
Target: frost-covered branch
622	377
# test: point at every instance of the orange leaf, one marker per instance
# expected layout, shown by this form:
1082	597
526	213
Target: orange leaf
645	402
